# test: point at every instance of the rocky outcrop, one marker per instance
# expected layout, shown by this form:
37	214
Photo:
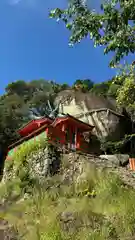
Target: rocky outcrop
47	161
116	159
78	165
95	110
75	165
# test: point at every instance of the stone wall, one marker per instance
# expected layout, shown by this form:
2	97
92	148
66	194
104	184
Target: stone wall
39	164
44	162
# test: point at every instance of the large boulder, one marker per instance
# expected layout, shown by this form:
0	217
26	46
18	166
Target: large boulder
116	159
95	110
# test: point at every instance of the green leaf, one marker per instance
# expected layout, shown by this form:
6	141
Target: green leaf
69	26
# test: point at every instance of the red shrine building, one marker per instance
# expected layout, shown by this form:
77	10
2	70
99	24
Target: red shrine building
66	132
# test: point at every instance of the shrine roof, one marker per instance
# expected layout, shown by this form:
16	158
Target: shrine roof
29	136
41	120
33	125
82	125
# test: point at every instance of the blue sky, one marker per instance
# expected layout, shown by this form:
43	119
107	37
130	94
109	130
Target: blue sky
32	46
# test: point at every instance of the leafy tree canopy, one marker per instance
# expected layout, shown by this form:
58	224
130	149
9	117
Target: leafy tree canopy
84	85
19	98
101	89
126	91
113	27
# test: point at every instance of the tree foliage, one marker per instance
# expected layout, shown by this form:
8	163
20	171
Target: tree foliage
83	85
126	91
113	27
101	89
19	98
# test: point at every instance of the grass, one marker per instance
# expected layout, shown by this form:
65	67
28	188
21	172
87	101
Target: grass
109	214
95	206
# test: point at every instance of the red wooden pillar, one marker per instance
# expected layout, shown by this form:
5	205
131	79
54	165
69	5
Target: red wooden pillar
47	131
48	135
70	134
63	137
78	140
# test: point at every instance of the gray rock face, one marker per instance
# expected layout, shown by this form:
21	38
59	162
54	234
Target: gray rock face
75	166
98	111
116	159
